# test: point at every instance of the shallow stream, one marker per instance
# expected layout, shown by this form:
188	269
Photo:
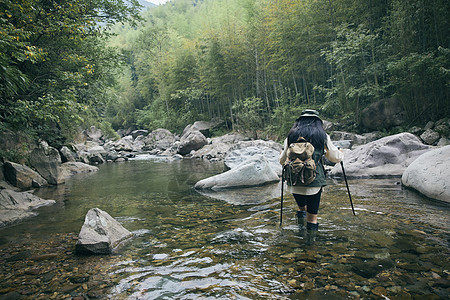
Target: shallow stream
189	245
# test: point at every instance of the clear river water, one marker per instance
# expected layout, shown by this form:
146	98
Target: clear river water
228	245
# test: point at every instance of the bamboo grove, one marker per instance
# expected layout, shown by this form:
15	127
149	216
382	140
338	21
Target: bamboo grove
257	63
253	63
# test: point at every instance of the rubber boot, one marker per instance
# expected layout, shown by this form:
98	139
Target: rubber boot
312	226
301	217
311	232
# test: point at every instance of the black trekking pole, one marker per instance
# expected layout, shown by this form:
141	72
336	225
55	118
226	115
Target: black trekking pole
348	190
282	185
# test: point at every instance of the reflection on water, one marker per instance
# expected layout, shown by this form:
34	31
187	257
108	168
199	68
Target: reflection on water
190	245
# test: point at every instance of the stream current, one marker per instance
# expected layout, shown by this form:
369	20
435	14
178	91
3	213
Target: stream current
190	245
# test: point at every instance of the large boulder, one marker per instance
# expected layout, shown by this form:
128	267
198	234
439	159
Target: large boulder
237	157
100	233
218	147
386	157
15	206
253	172
430	137
124	144
203	126
160	139
212	152
22	176
46	160
139	132
429	174
356	139
66	154
192	140
382	114
69	169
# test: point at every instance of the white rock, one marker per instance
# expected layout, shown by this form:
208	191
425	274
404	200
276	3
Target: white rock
256	171
429	174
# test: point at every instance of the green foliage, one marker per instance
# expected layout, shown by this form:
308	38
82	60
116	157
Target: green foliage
250	115
54	65
253	63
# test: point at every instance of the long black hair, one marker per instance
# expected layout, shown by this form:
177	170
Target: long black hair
311	129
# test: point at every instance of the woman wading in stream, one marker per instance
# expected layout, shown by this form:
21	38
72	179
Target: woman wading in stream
310	127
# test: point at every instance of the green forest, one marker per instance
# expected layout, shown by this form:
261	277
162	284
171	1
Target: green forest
254	64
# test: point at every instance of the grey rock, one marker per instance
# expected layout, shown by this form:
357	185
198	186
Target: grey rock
442	129
253	172
22	176
69	169
15	206
127	143
124	144
139	132
257	143
386	157
66	154
100	233
212	152
443	141
91	153
382	114
357	139
343	144
46	160
203	126
429	174
193	140
236	157
229	138
430	137
160	139
429	125
416	130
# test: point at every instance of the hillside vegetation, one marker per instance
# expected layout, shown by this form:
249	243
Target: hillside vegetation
253	63
258	63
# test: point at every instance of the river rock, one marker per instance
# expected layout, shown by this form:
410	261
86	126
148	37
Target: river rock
124	144
139	132
229	138
15	206
69	169
218	147
66	154
193	140
160	139
430	137
252	172
383	114
212	152
22	176
429	174
237	157
100	233
257	143
203	126
386	157
46	160
357	139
